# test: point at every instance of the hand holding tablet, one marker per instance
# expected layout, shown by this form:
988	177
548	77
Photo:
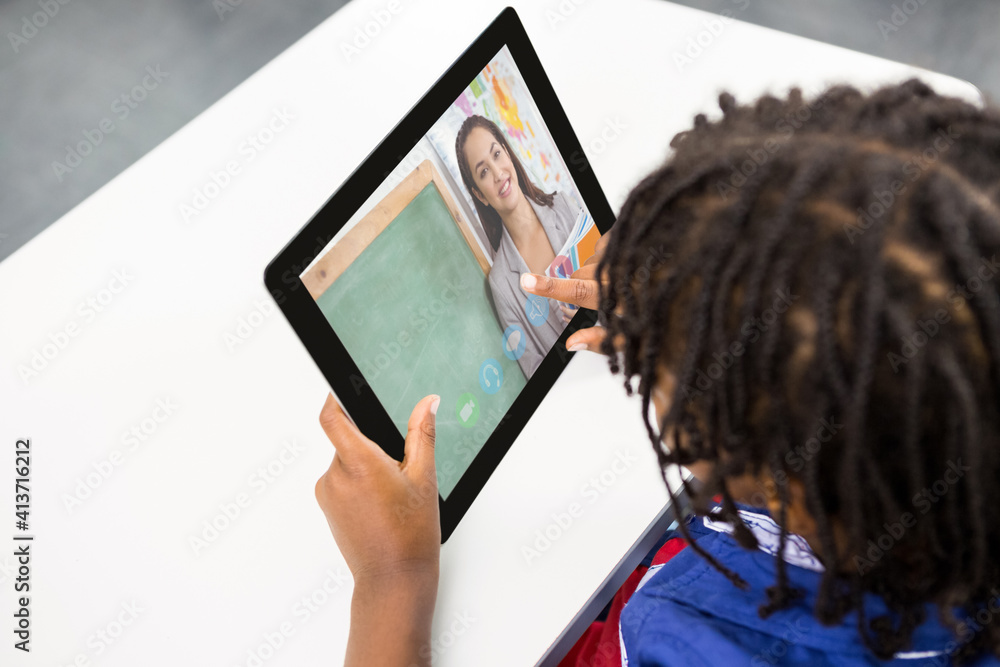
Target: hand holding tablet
482	181
365	485
393	558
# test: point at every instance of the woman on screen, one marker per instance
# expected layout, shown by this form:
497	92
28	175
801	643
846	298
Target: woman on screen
525	226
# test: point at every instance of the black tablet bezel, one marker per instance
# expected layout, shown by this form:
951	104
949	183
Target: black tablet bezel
281	277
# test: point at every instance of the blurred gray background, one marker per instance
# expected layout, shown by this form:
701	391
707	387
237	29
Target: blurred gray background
62	80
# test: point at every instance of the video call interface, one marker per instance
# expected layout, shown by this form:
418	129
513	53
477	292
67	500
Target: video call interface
422	284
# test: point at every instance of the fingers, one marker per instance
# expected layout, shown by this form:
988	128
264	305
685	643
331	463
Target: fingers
598	250
344	435
568	312
570	290
586	339
585	272
420	435
333	419
602	242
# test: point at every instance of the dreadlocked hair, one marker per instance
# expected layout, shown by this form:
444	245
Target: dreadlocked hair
832	264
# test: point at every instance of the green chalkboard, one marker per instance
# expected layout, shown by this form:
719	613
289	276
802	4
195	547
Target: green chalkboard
413	312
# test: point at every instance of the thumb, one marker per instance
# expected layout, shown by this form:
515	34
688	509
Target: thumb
418	450
588	339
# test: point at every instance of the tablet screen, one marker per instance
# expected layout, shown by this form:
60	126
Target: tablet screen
422	283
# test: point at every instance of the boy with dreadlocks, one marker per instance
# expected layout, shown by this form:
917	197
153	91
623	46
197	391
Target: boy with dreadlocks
825	344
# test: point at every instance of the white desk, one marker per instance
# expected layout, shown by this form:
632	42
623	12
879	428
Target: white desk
273	571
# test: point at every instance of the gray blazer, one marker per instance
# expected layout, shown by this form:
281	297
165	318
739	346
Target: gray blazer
505	284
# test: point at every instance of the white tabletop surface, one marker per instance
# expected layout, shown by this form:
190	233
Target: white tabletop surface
115	578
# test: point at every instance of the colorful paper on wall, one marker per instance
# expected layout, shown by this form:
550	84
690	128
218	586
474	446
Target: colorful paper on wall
499	95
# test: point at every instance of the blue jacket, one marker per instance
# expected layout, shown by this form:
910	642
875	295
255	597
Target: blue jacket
687	613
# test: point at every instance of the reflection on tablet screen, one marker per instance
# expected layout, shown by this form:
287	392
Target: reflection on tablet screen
422	283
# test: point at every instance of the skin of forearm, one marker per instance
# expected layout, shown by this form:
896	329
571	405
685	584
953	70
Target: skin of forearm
391	621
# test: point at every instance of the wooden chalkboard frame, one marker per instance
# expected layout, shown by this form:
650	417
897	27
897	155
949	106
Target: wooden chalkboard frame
328	267
282	277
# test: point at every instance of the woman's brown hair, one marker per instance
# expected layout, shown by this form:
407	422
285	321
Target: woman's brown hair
487	214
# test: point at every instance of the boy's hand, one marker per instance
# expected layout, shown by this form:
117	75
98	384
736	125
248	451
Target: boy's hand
384	516
383	513
579	289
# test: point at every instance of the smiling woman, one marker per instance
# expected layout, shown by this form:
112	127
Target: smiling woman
525	226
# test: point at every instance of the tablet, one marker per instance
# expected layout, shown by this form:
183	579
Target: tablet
406	282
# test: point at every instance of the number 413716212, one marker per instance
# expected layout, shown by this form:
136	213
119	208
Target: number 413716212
22	490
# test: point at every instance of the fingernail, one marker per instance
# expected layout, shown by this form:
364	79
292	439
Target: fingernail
528	281
434	405
577	347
